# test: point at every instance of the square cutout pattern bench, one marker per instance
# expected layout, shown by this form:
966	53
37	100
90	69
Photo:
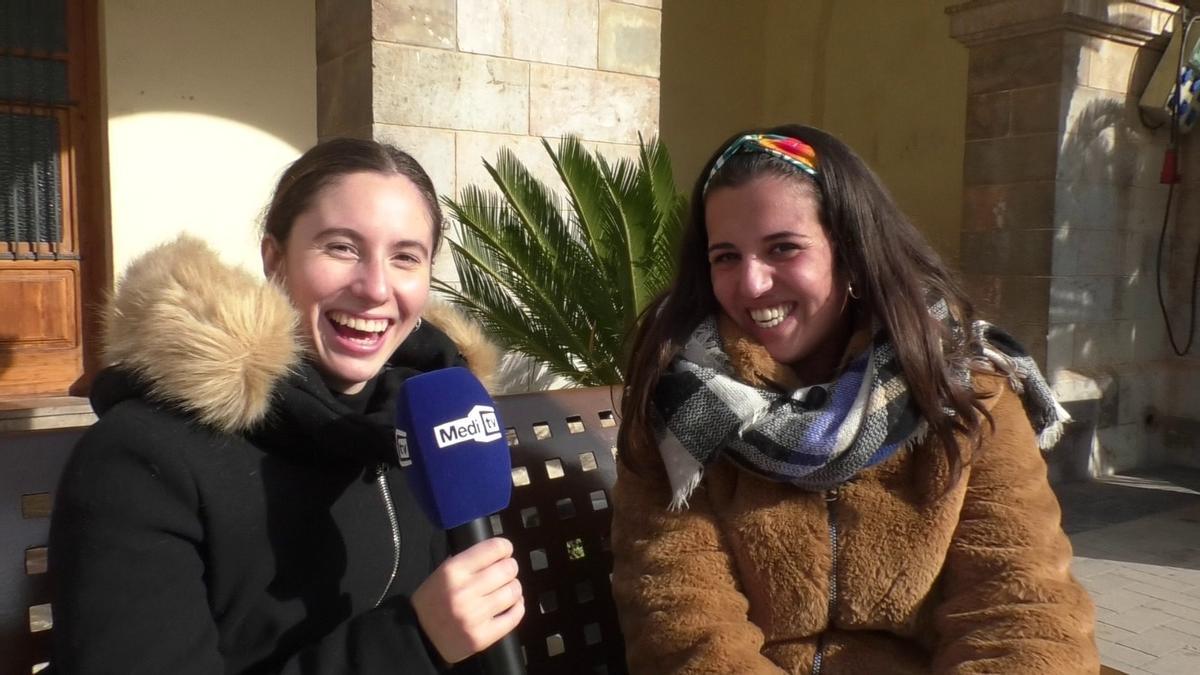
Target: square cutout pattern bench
563	446
30	463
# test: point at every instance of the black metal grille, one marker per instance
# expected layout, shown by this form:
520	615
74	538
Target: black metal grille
33	91
31	199
33	81
35	25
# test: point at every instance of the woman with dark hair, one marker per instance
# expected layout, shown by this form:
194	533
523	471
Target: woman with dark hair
828	464
237	508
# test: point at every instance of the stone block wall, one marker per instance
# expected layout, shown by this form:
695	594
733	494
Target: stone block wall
1062	211
453	81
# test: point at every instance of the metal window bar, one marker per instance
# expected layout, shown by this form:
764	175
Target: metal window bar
33	94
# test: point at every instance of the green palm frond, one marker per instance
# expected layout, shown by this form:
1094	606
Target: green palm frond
564	285
669	206
493	232
668	203
584	182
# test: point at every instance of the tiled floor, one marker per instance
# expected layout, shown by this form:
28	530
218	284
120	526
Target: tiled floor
1137	550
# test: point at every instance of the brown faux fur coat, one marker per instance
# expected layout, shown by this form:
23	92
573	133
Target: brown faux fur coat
744	579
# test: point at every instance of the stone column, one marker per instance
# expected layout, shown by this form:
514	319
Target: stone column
453	81
1062	199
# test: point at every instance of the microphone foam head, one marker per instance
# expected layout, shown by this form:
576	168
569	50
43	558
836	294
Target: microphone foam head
458	463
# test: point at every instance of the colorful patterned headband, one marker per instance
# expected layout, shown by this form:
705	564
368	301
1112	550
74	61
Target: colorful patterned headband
793	151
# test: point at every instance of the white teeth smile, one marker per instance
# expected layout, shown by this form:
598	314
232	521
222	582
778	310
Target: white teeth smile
769	317
364	325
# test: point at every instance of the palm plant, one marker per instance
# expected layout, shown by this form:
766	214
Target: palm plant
565	286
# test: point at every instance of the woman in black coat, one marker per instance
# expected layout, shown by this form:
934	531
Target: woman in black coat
237	507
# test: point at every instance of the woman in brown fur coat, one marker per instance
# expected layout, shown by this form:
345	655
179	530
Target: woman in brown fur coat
828	464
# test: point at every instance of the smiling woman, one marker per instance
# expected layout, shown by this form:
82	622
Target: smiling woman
238	507
828	465
356	265
774	272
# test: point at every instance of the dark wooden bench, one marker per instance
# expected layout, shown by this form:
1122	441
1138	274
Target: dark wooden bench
563	445
30	463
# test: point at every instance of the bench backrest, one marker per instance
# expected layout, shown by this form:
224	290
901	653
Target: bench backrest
564	448
563	445
30	463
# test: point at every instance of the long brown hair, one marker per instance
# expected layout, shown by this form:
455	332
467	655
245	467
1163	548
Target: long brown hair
894	271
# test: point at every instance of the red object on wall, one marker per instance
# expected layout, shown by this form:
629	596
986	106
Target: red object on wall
1170	168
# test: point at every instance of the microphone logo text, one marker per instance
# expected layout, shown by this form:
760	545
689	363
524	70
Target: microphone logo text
479	425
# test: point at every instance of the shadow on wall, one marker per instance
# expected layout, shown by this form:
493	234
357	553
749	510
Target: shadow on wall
252	63
1107	195
206	103
1104	317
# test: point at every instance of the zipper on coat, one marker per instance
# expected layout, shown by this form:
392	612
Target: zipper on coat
831	497
382	481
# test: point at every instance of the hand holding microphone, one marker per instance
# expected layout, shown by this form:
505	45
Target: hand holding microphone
456	460
471	601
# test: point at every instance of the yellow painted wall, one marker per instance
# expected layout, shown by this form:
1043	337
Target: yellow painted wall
713	69
206	102
883	76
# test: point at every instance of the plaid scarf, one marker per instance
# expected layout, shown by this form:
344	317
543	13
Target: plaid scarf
816	437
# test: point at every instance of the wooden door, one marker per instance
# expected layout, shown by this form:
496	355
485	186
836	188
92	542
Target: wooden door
51	231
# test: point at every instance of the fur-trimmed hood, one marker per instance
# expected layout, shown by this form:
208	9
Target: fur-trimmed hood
216	340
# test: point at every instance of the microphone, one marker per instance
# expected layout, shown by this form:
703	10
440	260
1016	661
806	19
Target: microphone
452	448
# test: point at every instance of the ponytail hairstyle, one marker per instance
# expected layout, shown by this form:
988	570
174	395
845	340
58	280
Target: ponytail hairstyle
326	163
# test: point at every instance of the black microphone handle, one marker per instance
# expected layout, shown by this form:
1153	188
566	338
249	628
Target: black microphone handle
468	534
503	657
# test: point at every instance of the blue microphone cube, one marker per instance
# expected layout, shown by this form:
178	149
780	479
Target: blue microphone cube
452	446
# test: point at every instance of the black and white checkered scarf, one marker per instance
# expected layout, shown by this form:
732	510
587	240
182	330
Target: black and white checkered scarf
821	436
